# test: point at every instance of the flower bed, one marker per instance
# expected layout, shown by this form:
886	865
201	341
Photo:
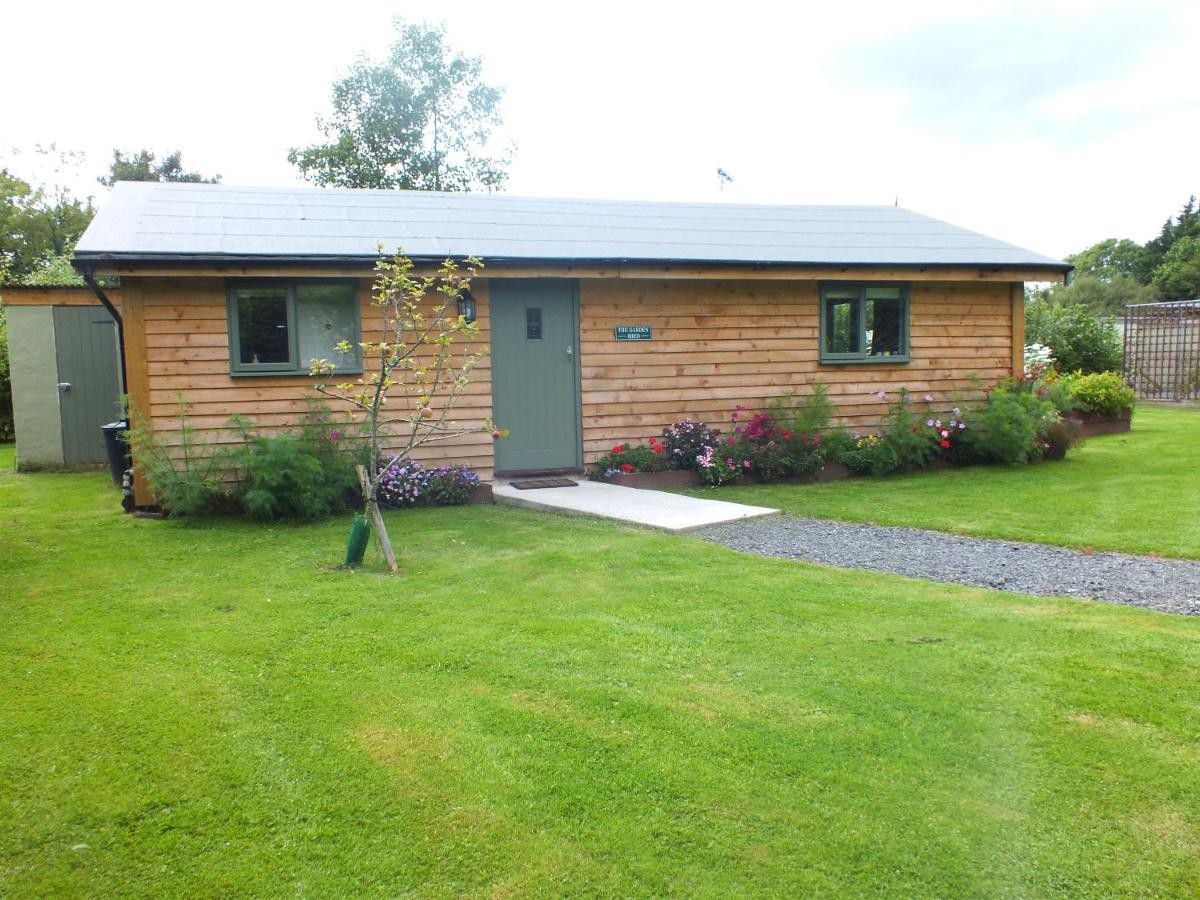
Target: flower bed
1094	422
406	483
1016	421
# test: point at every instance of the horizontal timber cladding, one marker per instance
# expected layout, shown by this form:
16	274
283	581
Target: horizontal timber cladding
716	345
186	352
722	344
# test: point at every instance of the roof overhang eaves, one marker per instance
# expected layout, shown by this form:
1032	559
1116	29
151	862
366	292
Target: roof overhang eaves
87	260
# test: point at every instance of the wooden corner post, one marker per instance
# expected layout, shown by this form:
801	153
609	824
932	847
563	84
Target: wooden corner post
1018	327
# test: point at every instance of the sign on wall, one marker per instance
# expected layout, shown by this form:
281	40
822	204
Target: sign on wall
633	333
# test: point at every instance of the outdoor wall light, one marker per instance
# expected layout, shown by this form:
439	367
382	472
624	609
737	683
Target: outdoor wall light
466	306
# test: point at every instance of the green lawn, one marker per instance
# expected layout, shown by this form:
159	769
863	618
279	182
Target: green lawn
547	706
1137	492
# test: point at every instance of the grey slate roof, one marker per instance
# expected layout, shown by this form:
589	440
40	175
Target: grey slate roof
151	221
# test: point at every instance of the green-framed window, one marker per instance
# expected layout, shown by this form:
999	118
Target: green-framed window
864	323
280	327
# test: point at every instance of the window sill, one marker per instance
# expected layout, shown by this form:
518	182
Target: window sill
292	373
868	361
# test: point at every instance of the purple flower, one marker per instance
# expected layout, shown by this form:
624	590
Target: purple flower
881	394
929	398
929	423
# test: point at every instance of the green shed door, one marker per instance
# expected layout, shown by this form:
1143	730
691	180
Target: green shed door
88	379
535	373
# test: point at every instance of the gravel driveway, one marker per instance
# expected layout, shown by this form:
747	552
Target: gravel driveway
1163	584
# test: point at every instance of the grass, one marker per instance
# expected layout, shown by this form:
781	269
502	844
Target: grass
545	706
1137	492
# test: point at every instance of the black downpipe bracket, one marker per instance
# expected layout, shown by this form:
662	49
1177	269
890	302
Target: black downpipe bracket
90	281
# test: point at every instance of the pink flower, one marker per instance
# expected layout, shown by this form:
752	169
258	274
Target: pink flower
929	398
881	394
334	435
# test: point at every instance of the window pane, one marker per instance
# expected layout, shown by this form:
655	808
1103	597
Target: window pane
325	317
533	323
262	326
884	293
841	324
885	326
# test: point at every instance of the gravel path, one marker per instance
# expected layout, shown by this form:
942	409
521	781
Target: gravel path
1166	585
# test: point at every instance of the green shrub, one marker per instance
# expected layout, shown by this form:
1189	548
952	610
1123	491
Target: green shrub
189	478
1010	425
807	415
280	478
866	453
451	485
907	444
1104	392
1078	340
1061	436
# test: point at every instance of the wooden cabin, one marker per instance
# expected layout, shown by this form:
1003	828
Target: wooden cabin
607	320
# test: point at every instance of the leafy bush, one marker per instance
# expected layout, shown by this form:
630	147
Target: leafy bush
1078	340
304	475
1062	435
451	485
808	415
719	466
775	451
908	443
623	459
189	478
684	441
280	478
866	453
1104	392
1011	424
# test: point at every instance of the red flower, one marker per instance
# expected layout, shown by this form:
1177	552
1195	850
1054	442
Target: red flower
945	445
657	448
618	450
627	467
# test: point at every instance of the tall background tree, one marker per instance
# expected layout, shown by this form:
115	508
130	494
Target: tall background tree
141	166
420	120
1116	272
40	222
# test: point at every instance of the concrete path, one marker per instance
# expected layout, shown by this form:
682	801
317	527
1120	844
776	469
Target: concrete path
656	509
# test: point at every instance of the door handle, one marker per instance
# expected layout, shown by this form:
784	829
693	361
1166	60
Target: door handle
569	350
64	386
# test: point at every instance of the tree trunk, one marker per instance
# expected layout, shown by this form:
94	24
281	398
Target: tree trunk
377	524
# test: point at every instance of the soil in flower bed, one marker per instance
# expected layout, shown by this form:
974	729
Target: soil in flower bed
1094	423
481	493
655	480
677	478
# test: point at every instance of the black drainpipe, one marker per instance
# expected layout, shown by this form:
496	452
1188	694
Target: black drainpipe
90	281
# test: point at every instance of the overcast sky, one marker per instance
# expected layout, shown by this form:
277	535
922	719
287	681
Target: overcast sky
1048	124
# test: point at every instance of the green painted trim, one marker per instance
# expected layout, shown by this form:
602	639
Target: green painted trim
294	366
575	316
862	358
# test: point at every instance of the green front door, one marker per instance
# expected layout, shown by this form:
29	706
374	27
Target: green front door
535	373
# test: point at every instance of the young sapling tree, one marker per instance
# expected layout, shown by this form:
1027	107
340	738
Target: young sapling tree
413	374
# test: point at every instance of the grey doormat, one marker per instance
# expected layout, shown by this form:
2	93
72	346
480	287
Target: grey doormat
532	484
